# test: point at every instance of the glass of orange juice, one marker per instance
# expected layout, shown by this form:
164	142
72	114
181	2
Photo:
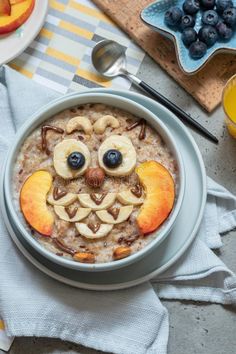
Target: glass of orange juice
229	105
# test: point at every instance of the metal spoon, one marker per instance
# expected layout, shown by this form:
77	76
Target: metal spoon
109	59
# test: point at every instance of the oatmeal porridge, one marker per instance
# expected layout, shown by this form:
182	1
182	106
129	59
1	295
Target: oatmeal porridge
94	182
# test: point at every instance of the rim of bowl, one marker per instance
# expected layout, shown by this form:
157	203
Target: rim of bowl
63	103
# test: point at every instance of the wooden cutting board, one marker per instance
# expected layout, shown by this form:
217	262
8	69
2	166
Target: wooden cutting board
205	86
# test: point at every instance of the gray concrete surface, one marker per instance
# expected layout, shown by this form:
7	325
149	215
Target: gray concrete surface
194	327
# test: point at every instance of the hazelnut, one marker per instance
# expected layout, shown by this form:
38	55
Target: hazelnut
121	252
84	257
94	177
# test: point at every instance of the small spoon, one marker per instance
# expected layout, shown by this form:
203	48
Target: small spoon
109	59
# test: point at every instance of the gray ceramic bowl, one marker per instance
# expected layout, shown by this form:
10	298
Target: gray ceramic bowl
58	106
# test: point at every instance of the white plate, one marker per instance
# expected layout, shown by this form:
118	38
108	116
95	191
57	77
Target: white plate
172	247
14	43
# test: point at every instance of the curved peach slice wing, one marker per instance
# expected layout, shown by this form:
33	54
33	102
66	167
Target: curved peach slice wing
33	202
160	194
20	11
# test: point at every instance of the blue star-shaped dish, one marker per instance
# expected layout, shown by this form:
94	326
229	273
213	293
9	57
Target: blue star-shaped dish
153	16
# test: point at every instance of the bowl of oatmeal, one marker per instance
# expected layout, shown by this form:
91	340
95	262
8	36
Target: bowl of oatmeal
94	181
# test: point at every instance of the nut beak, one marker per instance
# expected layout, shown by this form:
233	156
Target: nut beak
94	177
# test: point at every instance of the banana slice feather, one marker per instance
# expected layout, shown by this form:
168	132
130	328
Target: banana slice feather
81	213
87	202
85	231
123	215
68	199
128	198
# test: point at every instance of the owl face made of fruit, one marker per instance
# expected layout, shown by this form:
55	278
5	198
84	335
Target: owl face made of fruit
96	194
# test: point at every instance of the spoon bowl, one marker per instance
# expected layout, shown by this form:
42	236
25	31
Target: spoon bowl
108	58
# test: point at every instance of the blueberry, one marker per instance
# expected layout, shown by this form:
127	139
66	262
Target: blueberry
229	16
187	21
208	4
76	160
189	36
210	17
173	16
191	7
197	49
222	5
208	35
224	31
112	158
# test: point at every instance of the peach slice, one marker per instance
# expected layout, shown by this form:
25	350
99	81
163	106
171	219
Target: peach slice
13	2
19	13
33	202
160	195
5	8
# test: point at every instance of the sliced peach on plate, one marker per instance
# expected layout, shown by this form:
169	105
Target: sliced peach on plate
19	13
5	8
33	202
160	194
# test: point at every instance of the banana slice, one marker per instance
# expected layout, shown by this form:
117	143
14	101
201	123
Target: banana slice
80	214
126	148
62	151
85	231
68	199
123	215
87	202
128	198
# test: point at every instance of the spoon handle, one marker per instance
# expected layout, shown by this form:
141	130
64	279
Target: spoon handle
178	111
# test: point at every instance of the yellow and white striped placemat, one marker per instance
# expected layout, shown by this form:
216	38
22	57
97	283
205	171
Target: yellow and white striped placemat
59	57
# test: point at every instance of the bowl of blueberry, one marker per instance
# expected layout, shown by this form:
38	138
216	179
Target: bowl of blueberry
199	28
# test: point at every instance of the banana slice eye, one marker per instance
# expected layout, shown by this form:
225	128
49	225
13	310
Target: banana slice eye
71	158
117	156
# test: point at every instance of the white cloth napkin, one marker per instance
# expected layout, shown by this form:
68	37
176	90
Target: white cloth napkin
125	321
